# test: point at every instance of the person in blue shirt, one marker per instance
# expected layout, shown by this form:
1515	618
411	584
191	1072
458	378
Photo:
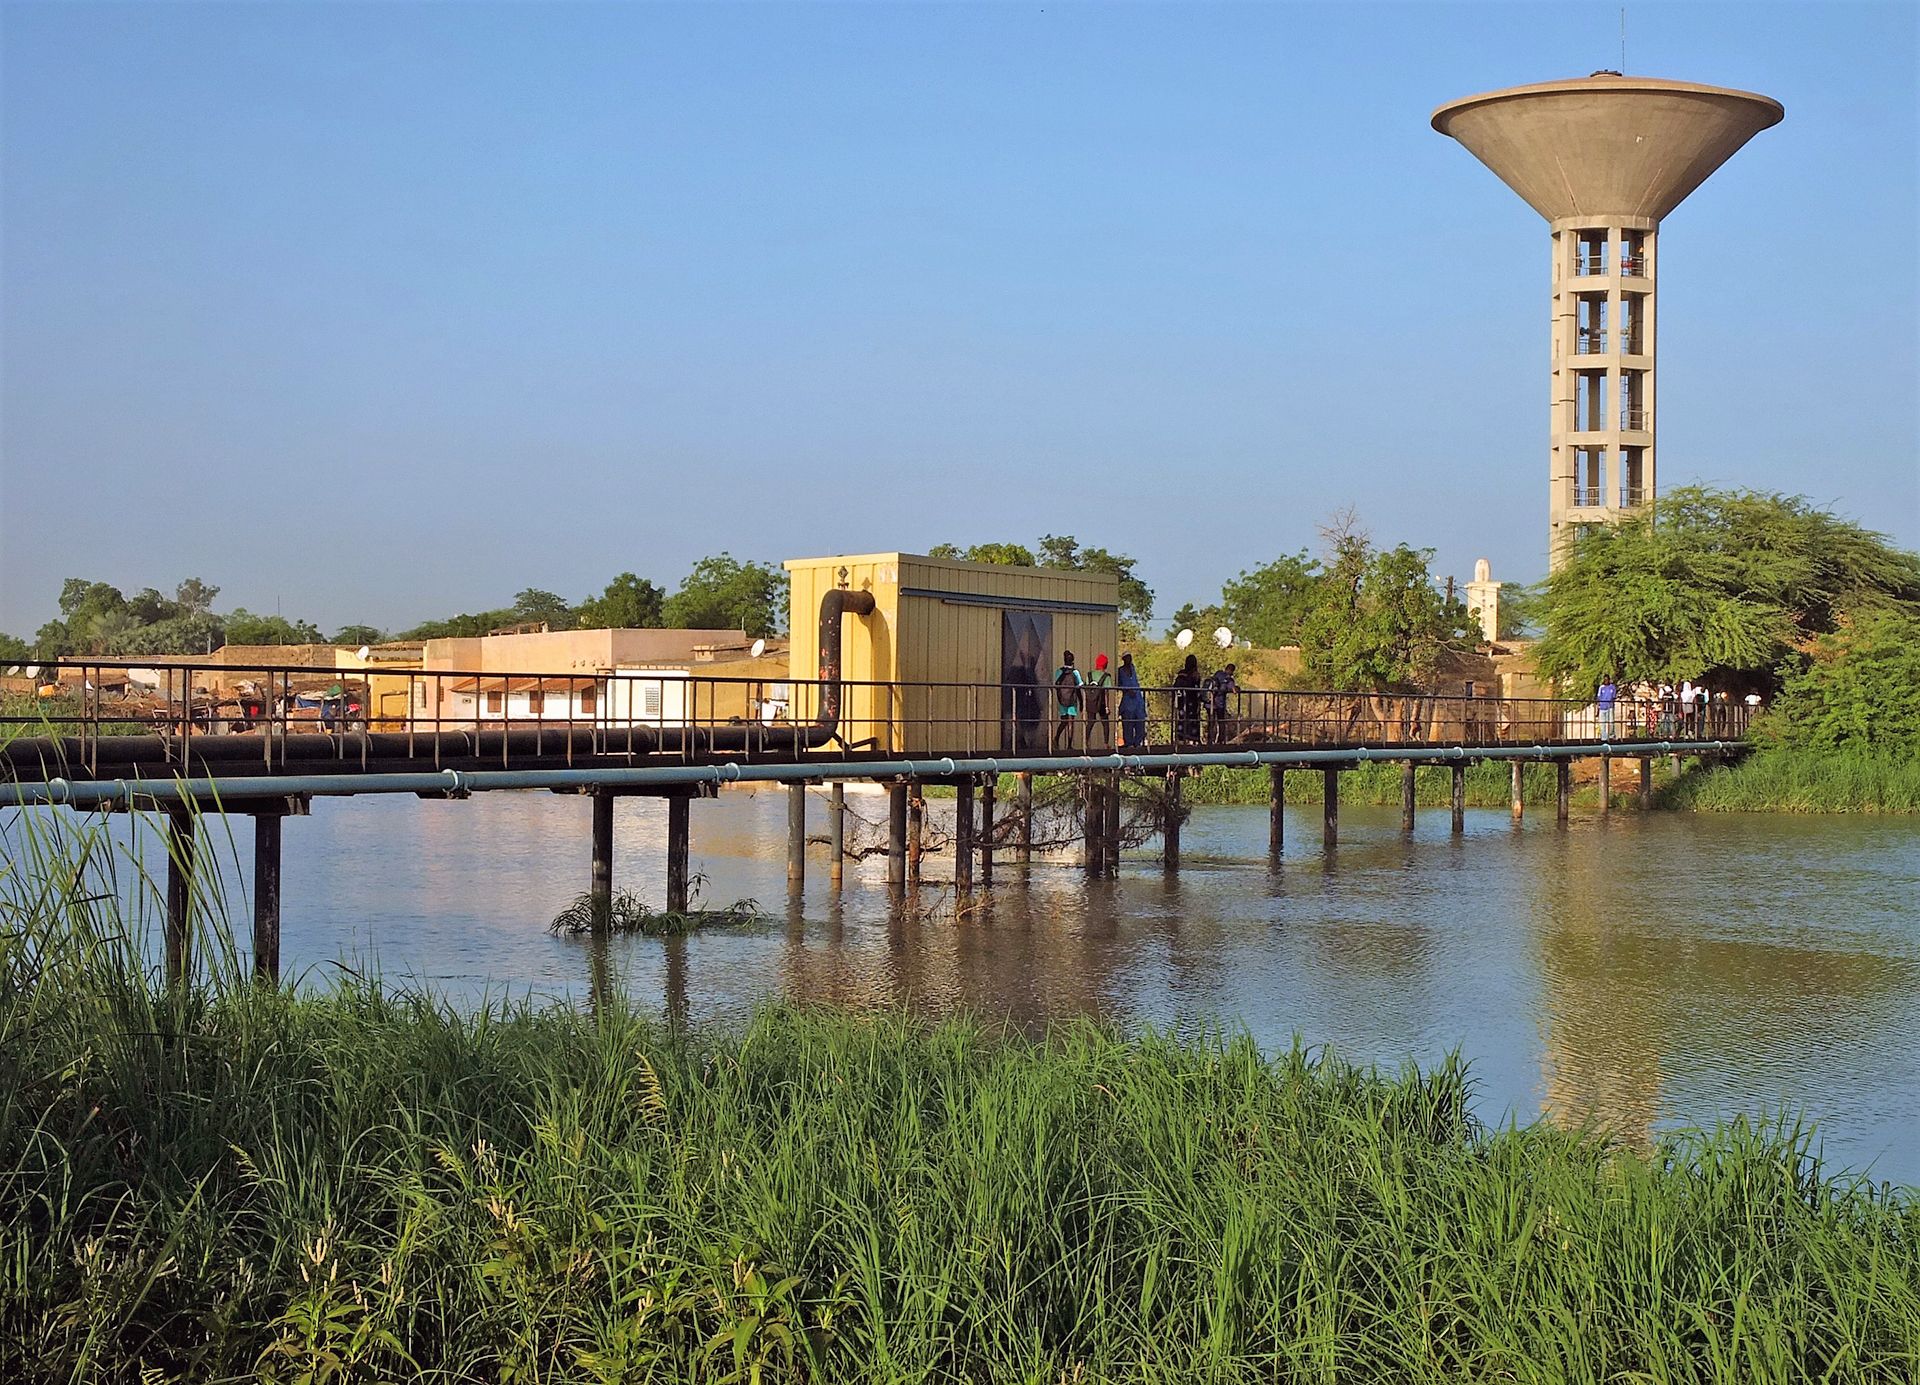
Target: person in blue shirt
1606	697
1133	707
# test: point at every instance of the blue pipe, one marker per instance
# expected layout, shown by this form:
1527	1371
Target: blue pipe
216	792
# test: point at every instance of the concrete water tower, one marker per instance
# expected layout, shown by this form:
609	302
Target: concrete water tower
1603	159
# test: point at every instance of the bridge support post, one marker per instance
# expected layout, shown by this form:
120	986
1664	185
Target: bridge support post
182	850
1519	775
1093	819
1406	796
1170	835
1276	811
1646	782
963	834
1562	790
1113	823
1606	785
989	787
679	824
836	831
916	829
1023	801
600	890
1459	799
897	834
1329	807
796	834
266	896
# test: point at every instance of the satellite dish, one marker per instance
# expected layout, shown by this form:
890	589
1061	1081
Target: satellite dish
362	653
14	672
758	648
33	670
1223	637
1184	638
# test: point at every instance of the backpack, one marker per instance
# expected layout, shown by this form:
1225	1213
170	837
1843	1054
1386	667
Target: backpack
1066	687
1097	698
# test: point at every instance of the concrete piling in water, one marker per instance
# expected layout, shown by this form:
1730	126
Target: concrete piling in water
1276	811
1113	823
1093	819
836	832
1606	785
266	896
963	834
916	829
796	834
1407	773
1646	782
182	850
988	791
1518	774
897	834
1562	790
1459	799
679	829
1023	802
1170	835
600	893
1329	807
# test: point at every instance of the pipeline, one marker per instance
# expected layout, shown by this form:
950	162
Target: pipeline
833	605
216	793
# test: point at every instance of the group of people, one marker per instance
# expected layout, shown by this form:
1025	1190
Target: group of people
1088	701
1664	709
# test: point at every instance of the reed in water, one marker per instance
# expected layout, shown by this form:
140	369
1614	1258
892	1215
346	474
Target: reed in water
342	1181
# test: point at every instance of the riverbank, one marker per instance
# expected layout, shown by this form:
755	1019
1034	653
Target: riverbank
352	1183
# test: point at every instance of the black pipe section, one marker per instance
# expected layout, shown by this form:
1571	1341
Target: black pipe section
833	605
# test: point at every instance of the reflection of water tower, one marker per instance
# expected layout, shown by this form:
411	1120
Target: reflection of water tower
1603	159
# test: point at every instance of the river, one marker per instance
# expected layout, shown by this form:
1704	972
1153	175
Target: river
1639	973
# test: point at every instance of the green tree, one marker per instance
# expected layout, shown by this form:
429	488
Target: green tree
1860	689
13	648
628	603
723	593
1003	554
149	607
1732	586
244	627
1377	622
1199	619
1269	604
179	634
195	597
357	635
461	626
551	608
1136	597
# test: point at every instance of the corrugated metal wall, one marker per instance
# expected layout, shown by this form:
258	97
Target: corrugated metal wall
929	629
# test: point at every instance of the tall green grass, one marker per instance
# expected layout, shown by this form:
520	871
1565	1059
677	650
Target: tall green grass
1801	781
217	1181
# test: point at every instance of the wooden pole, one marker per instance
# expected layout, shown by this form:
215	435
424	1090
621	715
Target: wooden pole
601	890
1023	800
796	834
963	833
1519	799
837	831
679	815
266	897
1330	807
988	788
1562	790
182	847
897	834
1459	799
1170	838
1406	796
1276	810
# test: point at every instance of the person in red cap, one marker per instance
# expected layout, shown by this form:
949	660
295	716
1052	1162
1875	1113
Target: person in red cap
1097	694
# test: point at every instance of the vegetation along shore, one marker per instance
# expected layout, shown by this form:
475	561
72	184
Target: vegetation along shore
231	1182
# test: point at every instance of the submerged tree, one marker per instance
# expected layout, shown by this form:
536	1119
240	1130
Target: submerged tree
1732	586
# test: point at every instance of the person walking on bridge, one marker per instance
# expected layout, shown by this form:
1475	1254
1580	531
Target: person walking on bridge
1186	701
1067	683
1609	693
1098	713
1133	707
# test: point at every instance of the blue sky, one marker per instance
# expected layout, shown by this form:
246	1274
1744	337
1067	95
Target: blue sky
373	313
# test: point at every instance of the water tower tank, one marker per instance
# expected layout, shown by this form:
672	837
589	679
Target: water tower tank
1603	159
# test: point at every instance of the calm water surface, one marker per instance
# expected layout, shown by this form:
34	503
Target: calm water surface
1643	973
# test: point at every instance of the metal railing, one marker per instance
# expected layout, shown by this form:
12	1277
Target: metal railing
254	718
1590	344
1636	420
1589	497
1633	266
1631	496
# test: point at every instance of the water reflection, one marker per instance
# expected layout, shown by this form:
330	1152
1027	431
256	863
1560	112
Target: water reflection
1637	973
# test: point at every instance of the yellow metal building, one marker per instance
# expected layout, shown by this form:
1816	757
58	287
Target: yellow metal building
978	631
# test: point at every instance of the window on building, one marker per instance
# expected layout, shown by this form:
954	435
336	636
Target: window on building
651	701
494	702
589	700
536	702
